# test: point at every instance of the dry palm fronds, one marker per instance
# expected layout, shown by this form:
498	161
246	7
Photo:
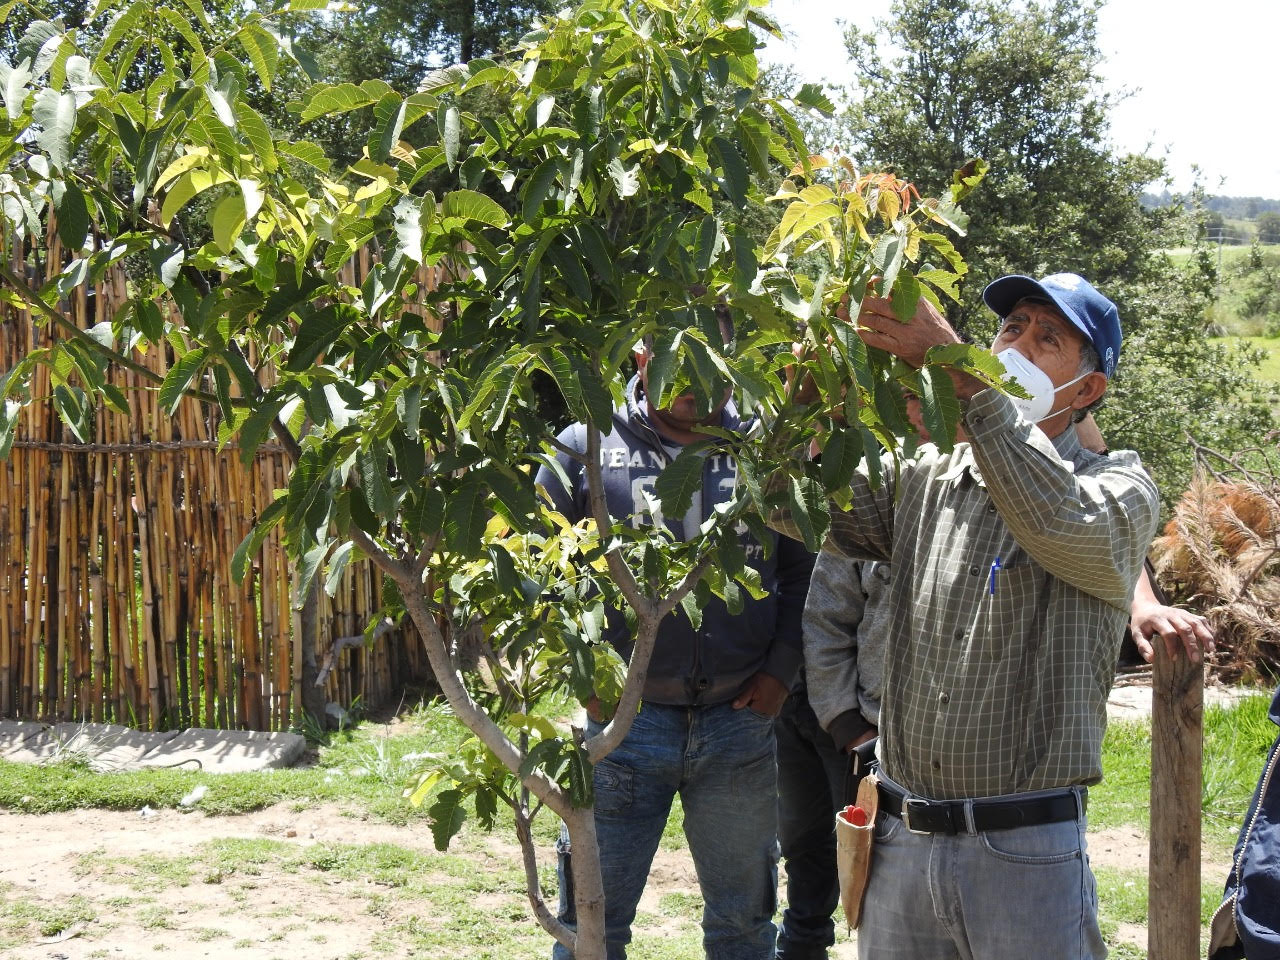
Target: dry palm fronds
1221	553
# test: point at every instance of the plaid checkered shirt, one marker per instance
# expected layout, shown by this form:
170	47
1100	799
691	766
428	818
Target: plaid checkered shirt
997	673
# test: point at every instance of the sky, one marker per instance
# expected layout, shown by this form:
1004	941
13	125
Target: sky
1201	80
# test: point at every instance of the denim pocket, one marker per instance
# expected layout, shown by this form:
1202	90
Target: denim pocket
613	786
1044	844
759	777
762	717
887	827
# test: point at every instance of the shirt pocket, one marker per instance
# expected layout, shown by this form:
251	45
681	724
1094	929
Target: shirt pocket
1011	611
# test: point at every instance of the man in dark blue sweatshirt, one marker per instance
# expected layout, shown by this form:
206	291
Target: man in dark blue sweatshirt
705	726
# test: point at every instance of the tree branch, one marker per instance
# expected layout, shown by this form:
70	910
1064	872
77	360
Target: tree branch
465	708
529	855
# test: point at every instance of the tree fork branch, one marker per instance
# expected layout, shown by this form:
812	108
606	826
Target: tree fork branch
529	855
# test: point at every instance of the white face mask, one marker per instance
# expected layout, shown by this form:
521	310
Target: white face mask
1038	407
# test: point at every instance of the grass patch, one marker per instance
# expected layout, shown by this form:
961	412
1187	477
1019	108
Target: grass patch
22	919
362	768
1236	741
1269	370
1122	899
470	902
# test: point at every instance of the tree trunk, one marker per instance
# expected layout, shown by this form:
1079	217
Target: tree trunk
588	884
313	698
467	35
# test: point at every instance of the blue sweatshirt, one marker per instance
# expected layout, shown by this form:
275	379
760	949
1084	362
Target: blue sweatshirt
708	665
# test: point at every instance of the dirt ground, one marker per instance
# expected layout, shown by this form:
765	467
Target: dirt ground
272	912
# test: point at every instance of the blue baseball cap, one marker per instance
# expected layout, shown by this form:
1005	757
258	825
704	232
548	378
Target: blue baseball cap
1093	314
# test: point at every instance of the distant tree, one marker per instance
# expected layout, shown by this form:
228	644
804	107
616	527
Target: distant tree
1268	225
398	42
1018	85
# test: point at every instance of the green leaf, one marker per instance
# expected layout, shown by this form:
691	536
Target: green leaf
681	480
253	541
305	571
318	331
409	227
181	191
14	89
424	511
708	243
809	511
255	429
465	518
9	416
324	100
149	319
263	51
811	95
179	378
388	123
258	134
968	358
337	566
887	257
626	180
596	396
581	787
470	205
663	360
906	296
840	457
561	370
542	110
56	114
306	152
228	220
871	450
939	406
447	816
76	410
375	482
538	188
73	218
736	180
745	264
451	135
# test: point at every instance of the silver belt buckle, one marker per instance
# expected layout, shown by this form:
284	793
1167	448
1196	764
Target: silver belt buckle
906	814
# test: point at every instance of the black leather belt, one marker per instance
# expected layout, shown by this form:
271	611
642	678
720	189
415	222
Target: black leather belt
974	816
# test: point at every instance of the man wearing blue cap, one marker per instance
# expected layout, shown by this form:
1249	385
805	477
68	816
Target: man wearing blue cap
1014	559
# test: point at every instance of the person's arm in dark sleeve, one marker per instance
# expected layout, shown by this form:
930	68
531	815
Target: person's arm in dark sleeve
786	653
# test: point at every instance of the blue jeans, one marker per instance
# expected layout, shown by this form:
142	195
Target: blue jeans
811	776
999	895
721	763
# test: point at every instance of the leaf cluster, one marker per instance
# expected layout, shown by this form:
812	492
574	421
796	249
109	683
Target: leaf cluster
586	207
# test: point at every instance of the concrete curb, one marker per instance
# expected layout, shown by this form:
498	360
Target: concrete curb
107	747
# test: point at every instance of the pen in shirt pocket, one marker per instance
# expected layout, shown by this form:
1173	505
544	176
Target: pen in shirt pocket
991	583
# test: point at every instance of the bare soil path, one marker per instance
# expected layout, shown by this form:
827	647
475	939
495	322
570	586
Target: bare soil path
261	886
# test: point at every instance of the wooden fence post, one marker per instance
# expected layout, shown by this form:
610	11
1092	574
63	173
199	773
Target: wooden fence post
1177	741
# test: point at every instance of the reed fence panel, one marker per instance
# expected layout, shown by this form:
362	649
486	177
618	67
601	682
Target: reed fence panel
116	597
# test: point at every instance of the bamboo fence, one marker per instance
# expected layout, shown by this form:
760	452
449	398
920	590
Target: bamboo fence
116	597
